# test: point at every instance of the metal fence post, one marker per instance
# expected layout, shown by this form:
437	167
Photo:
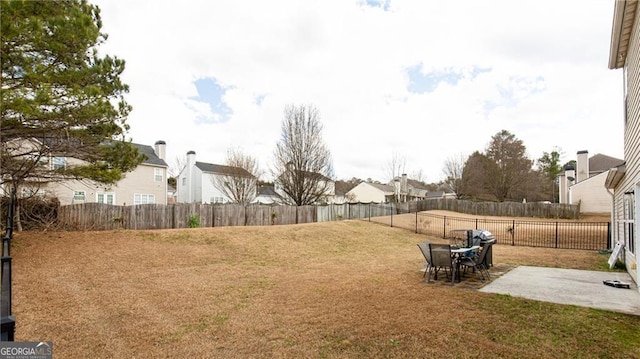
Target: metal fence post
416	221
392	215
556	234
444	227
7	320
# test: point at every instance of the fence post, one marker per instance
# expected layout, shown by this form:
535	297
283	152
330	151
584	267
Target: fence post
444	227
8	321
513	232
416	221
392	215
608	235
556	234
476	223
369	211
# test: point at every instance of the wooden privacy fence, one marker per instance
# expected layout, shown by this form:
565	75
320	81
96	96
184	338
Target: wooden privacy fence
98	216
501	209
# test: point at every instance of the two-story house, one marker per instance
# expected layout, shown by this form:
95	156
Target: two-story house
624	180
201	182
147	183
400	189
584	184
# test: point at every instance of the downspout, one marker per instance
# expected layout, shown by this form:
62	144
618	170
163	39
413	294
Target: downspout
613	218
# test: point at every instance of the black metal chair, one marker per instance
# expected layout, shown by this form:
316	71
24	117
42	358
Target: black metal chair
424	248
441	259
477	262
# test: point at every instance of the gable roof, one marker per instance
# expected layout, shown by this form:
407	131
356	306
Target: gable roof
267	190
150	153
383	187
416	184
223	170
601	163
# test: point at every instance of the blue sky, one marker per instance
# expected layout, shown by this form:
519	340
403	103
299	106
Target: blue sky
424	80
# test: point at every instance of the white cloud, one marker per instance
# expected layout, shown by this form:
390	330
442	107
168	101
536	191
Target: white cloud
546	77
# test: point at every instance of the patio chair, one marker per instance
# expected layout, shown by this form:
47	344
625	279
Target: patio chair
441	259
477	262
424	248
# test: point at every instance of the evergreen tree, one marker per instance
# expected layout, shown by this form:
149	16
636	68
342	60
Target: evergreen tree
59	98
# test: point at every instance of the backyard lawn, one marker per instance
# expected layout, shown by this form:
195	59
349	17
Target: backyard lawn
349	289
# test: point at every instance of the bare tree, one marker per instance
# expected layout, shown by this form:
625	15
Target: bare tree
237	178
453	169
303	163
396	167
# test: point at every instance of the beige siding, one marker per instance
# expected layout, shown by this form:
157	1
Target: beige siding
592	195
139	181
366	193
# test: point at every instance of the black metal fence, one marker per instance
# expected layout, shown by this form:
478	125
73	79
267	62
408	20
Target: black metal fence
532	233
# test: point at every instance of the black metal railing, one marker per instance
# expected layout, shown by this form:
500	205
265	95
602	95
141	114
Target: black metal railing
7	320
532	233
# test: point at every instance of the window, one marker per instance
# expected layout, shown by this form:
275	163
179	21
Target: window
217	200
33	192
79	196
143	198
59	163
157	174
106	197
184	181
629	221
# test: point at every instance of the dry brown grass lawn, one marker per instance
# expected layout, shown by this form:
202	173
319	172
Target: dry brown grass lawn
325	290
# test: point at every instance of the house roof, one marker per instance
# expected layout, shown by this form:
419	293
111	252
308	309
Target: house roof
416	184
223	170
600	163
150	153
383	187
624	14
435	194
267	190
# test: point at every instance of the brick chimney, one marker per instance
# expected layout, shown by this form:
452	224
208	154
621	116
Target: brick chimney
582	164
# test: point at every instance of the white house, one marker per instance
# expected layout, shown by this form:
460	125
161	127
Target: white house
624	180
267	195
585	183
197	181
366	192
400	189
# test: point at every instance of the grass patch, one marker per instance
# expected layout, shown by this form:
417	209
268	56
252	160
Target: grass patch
348	289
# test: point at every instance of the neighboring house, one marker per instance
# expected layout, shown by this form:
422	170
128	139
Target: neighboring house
197	181
585	183
267	195
401	189
147	183
440	194
406	190
624	180
367	192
